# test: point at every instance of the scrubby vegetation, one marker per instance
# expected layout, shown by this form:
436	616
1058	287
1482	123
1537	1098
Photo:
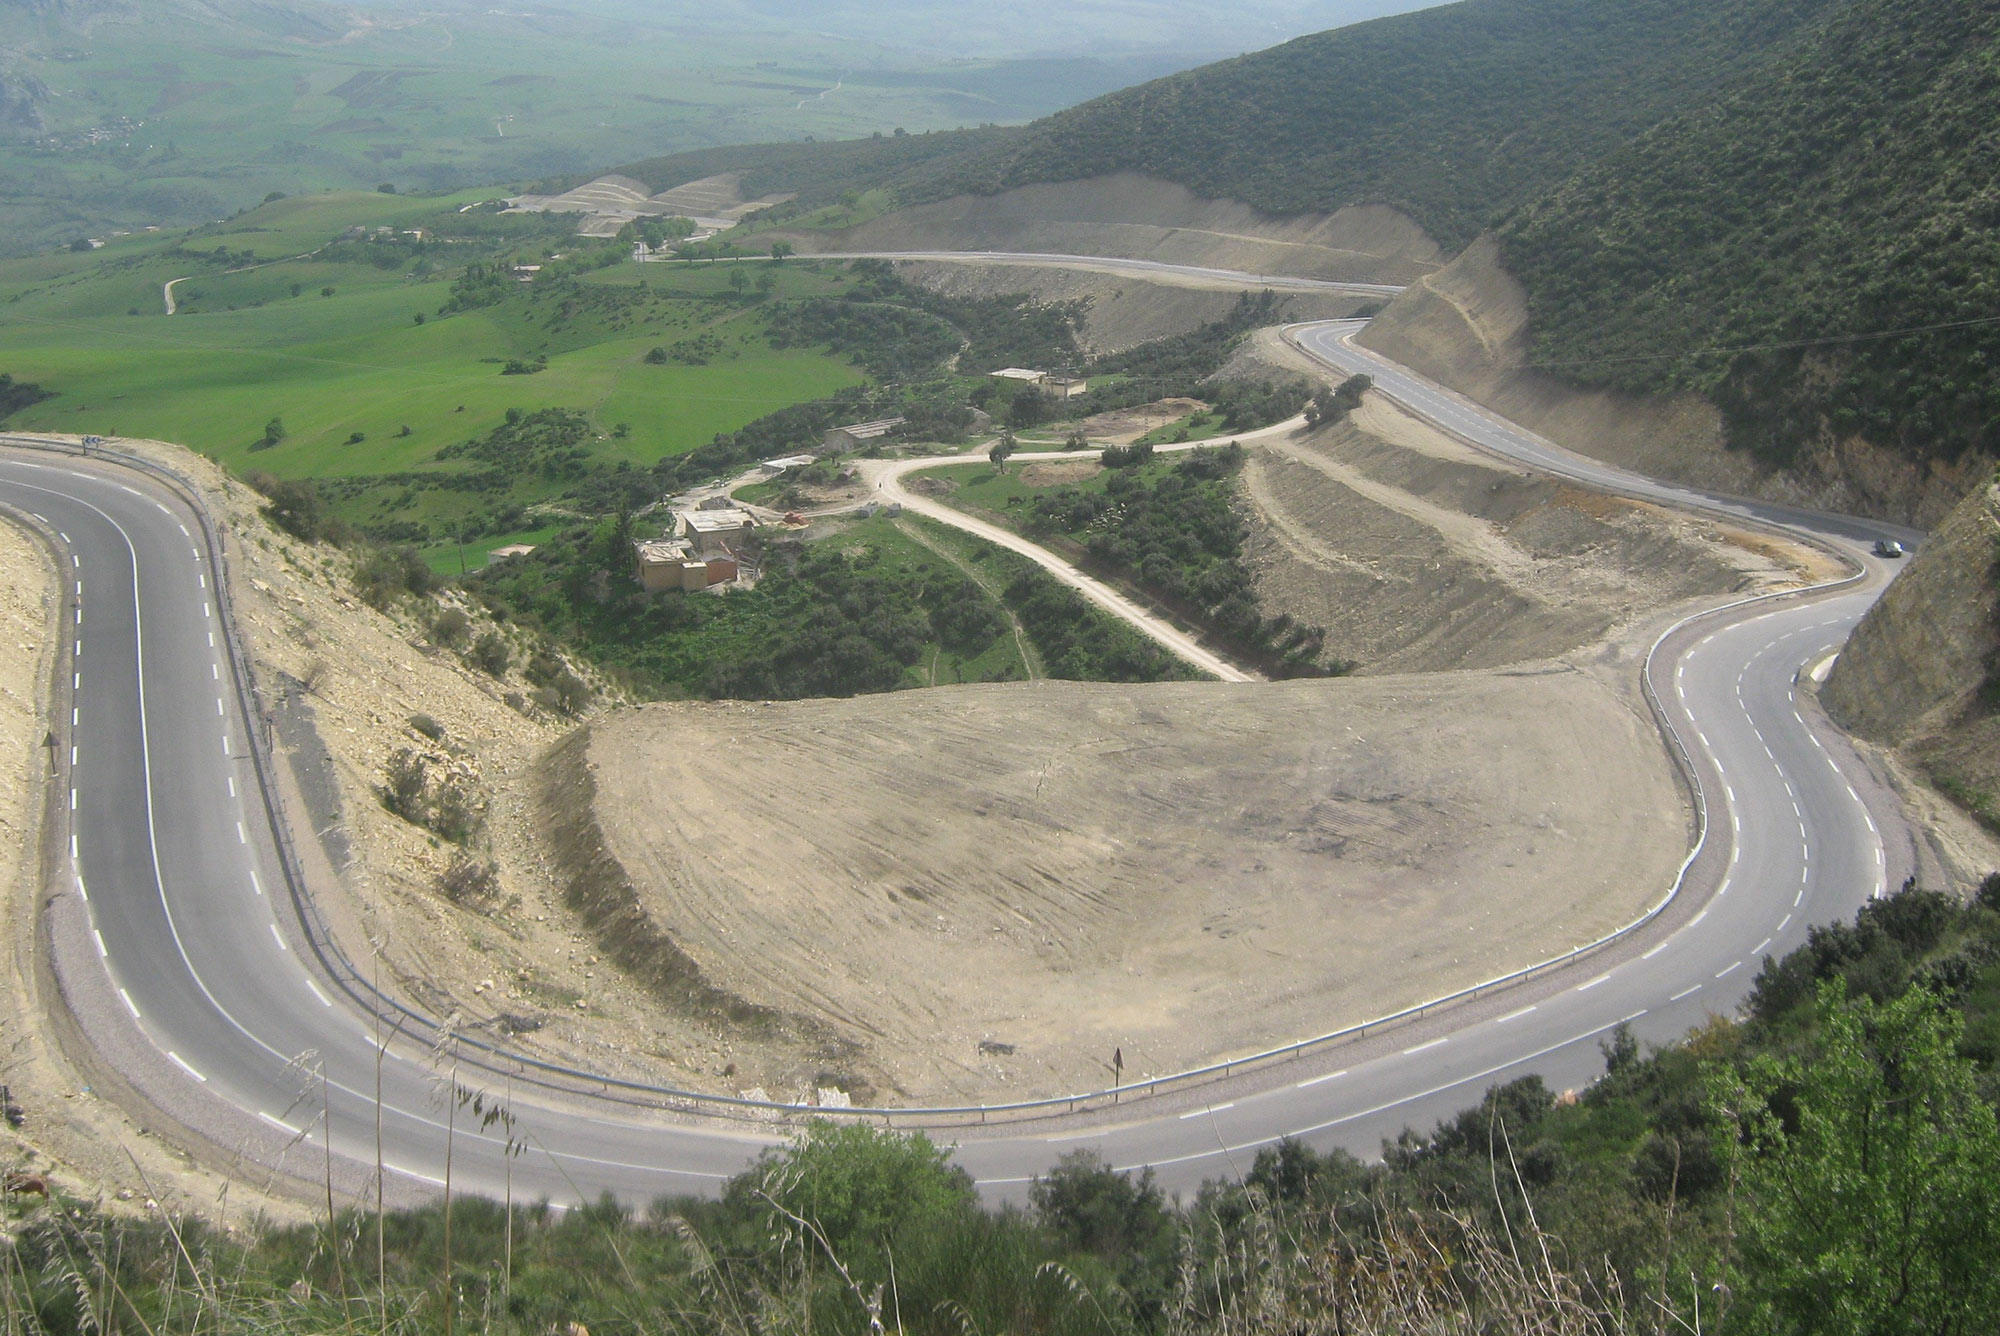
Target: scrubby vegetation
16	395
1454	114
1739	249
1173	529
867	610
1829	1163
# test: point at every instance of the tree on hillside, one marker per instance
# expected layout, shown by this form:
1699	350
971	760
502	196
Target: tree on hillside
1001	450
781	249
1869	1174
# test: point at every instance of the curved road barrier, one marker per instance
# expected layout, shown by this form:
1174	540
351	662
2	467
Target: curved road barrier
187	947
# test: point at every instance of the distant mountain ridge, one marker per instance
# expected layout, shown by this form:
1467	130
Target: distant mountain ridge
1734	199
1453	115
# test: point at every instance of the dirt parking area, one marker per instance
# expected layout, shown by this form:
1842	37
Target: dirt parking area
979	893
1125	425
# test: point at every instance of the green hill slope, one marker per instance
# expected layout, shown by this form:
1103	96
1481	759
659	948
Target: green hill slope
1454	114
1853	187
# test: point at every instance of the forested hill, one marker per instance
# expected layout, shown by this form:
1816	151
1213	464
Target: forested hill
1454	114
1851	188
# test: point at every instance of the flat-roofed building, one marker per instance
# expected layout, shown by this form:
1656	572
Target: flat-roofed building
667	563
714	533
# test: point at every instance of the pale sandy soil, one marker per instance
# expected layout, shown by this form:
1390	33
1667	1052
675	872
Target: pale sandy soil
1418	553
1123	309
1122	426
1144	218
1183	871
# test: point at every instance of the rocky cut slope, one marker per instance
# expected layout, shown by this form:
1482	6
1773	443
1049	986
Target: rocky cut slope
1815	254
1922	671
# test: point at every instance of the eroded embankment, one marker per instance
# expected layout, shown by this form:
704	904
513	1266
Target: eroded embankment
984	891
1143	218
596	887
1417	553
1466	326
1121	310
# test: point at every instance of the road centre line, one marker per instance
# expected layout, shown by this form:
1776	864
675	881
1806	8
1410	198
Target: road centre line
1421	1047
1213	1108
181	1063
1515	1015
129	1006
1685	992
1593	983
1731	970
276	938
1320	1080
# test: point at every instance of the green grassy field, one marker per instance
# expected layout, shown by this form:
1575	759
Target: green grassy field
985	488
245	350
181	113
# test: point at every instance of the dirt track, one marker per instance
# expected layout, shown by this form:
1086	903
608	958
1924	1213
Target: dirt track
1418	553
1185	871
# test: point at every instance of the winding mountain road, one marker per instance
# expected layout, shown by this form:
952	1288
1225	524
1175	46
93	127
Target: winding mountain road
183	951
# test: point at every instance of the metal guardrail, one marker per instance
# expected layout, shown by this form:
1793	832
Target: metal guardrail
343	973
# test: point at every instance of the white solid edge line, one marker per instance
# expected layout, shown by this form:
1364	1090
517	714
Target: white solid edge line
181	1063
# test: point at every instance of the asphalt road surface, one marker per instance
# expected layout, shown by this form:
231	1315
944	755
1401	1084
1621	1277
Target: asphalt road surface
181	952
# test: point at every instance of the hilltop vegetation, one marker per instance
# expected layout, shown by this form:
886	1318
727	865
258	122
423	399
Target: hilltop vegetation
1848	188
1453	114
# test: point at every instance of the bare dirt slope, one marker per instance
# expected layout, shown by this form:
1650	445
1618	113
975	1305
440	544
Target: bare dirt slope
1418	553
1124	310
1137	216
1466	326
1913	679
983	891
